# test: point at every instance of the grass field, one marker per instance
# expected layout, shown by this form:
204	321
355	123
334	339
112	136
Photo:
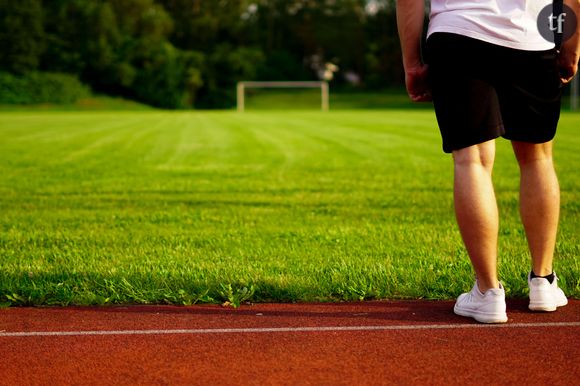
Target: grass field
185	207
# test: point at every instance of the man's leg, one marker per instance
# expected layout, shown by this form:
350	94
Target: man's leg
476	209
539	202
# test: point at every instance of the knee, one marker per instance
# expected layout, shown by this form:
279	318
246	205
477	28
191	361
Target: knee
532	153
478	155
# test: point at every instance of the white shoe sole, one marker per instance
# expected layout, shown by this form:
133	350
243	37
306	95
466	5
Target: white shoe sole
546	307
482	317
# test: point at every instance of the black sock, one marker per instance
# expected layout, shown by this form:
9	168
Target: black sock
549	277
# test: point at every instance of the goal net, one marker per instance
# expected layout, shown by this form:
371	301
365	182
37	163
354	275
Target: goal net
243	87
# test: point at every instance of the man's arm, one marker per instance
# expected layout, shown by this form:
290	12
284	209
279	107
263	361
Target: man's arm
410	16
570	50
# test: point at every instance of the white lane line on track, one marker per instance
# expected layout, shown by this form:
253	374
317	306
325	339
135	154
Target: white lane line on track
286	329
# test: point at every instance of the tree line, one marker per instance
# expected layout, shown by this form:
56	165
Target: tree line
190	53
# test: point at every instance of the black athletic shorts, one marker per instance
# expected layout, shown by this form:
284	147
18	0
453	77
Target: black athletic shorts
482	91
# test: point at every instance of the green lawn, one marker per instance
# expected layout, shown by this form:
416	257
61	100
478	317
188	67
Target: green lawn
184	207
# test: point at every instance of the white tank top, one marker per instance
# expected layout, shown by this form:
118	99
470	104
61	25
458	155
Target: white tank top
508	23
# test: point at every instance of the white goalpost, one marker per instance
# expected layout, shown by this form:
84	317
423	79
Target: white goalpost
242	86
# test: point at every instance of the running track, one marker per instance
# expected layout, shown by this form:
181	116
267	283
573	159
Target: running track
368	343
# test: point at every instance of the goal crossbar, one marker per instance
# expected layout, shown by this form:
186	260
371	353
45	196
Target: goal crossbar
242	86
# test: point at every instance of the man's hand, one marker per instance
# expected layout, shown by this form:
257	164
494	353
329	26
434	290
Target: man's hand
570	51
416	79
410	16
568	65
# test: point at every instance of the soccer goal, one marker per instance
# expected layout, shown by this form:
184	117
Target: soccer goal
243	86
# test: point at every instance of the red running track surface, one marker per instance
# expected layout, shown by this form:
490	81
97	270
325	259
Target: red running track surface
366	343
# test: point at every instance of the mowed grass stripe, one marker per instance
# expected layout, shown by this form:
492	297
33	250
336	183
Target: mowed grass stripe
170	207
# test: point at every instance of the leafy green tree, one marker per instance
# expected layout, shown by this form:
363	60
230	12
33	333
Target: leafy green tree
21	35
227	65
168	77
183	53
83	38
122	47
220	30
282	65
201	24
142	19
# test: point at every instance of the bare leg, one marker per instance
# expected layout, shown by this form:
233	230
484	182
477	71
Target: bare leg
476	209
539	202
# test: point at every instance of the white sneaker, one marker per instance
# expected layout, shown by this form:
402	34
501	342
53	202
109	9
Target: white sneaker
485	308
545	296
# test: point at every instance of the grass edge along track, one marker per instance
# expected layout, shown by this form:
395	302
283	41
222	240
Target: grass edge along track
190	207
